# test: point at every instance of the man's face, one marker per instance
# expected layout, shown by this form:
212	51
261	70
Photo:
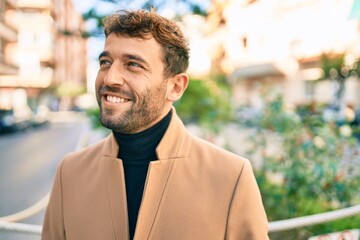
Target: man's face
130	86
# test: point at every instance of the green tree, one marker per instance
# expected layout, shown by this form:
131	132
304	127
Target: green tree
337	69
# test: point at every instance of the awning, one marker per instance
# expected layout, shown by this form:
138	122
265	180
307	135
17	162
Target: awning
269	69
258	70
355	10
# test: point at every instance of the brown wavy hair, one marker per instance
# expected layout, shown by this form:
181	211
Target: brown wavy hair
146	24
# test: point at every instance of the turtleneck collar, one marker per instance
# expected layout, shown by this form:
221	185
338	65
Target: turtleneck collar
141	147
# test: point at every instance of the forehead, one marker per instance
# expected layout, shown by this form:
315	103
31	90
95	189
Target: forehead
149	49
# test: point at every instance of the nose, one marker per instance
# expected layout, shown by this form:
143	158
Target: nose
114	75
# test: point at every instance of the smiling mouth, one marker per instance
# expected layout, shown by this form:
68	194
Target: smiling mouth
114	99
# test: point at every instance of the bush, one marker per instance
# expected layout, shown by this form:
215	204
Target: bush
307	173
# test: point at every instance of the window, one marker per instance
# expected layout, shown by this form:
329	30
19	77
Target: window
244	42
309	89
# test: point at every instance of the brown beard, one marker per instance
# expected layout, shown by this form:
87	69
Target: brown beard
141	115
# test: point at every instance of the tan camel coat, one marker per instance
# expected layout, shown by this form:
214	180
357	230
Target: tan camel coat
194	191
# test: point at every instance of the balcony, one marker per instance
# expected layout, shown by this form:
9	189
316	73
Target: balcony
11	4
34	4
6	68
39	78
7	33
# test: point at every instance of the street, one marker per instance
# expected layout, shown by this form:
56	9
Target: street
28	163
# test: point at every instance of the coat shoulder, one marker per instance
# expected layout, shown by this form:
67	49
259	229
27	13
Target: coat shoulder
214	155
85	156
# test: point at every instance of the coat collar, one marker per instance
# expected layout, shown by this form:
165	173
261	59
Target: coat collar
174	144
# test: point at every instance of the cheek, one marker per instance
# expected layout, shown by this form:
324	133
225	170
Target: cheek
99	81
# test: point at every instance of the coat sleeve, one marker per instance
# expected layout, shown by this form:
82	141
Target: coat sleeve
53	226
247	218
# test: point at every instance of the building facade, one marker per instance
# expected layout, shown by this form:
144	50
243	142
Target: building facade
70	52
8	36
263	44
47	56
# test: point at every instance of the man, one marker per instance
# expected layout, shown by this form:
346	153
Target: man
150	179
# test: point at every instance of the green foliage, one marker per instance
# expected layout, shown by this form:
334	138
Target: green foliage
304	175
206	102
94	115
69	89
336	67
332	63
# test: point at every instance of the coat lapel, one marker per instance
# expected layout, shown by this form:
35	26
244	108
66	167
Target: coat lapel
173	146
158	175
115	184
115	187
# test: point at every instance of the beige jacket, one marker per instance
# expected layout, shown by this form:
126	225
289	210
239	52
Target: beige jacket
194	191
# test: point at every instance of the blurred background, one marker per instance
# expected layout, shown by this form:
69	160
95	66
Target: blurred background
275	81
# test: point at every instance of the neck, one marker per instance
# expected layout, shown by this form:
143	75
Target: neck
142	146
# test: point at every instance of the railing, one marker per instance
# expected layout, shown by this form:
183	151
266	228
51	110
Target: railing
34	209
276	226
298	222
20	227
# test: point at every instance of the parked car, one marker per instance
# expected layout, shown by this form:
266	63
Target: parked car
15	119
41	116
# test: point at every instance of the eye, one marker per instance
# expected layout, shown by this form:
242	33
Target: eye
134	64
104	62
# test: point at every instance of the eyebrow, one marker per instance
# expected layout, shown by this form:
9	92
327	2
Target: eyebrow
136	58
103	54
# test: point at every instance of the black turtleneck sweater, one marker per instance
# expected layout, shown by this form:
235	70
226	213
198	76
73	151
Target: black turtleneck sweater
136	151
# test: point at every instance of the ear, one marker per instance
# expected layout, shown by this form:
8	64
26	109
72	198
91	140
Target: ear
176	86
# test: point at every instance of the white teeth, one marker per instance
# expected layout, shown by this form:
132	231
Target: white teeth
114	99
